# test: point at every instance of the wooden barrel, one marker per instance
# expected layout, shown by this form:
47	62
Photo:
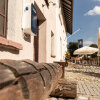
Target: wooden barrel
27	80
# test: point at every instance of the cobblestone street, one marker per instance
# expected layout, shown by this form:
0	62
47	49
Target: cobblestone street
88	81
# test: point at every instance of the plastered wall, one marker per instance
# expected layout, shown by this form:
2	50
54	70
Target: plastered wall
15	33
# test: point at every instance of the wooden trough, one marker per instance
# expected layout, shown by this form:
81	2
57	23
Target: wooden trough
27	80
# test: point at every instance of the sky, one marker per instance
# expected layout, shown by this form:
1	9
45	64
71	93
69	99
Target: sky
86	17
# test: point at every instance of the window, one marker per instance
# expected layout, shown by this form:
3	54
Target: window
3	17
52	45
61	48
60	19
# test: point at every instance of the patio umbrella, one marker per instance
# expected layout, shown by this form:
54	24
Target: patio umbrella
85	50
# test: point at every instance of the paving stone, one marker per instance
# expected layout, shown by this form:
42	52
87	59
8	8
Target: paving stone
82	98
88	78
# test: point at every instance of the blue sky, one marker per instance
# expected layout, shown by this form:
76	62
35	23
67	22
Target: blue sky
86	16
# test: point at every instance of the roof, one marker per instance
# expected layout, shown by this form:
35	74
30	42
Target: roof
67	6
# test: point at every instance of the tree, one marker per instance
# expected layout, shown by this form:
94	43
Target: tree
72	47
94	46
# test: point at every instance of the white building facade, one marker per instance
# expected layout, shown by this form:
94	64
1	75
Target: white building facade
54	19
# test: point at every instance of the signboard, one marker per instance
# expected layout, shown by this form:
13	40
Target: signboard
80	43
33	19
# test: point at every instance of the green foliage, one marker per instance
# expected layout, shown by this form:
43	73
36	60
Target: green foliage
72	47
67	54
94	45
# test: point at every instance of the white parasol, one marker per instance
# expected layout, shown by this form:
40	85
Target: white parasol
85	50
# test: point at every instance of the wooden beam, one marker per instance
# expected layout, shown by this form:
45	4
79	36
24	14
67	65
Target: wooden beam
66	8
68	2
68	17
65	89
69	26
27	80
68	13
66	5
68	21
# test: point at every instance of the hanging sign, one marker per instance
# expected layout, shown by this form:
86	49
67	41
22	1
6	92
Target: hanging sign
80	43
33	19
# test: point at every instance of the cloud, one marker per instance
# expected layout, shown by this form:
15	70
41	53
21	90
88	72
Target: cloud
94	11
88	42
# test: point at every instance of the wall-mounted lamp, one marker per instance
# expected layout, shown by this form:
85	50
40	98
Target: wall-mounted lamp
49	3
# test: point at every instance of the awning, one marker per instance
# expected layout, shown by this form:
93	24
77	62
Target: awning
68	14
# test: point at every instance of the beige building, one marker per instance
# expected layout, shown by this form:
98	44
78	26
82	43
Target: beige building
54	20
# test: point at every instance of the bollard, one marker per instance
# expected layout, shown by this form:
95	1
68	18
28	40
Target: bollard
27	80
63	67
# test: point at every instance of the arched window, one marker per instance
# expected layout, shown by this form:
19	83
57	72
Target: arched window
3	17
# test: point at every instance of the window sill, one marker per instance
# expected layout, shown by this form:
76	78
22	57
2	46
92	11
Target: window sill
10	44
53	56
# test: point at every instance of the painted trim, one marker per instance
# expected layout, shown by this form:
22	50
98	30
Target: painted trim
53	56
9	43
